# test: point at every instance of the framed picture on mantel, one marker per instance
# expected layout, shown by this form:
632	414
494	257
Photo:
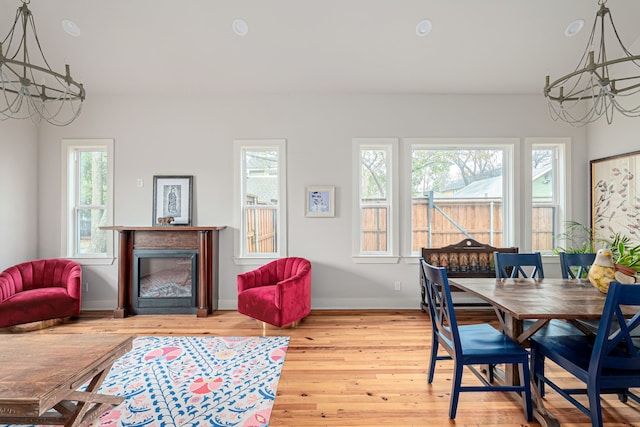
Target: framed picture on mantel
172	200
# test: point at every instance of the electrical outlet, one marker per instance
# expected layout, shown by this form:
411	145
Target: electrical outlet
86	286
397	285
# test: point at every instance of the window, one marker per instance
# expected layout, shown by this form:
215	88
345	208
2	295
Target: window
460	189
375	178
262	203
88	198
548	192
467	188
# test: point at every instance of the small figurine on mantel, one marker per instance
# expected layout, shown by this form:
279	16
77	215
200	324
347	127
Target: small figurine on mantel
165	220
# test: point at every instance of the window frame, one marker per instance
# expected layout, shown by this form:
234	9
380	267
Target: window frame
240	147
510	181
561	190
69	231
392	254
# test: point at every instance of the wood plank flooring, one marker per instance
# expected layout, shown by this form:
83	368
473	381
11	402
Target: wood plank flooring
358	368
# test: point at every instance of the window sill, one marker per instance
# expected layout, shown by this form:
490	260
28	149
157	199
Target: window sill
253	261
376	259
93	261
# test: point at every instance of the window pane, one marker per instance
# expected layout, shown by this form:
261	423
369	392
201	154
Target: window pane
543	199
456	194
374	229
92	167
261	183
374	199
90	239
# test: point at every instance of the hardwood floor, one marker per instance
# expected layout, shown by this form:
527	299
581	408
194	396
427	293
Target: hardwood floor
358	368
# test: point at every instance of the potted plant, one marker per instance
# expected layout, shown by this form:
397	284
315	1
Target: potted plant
579	239
626	258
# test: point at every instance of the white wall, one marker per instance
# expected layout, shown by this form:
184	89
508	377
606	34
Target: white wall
189	136
18	192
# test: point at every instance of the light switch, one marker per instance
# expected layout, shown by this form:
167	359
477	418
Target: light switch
140	182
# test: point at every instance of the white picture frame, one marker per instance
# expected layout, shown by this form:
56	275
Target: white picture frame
320	201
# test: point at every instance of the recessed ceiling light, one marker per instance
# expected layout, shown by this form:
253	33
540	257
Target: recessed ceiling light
240	27
423	28
574	28
70	28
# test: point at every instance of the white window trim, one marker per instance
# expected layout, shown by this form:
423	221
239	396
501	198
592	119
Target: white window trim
393	254
69	146
241	258
562	176
511	198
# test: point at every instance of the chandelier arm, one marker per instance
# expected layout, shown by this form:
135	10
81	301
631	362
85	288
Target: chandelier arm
24	87
80	89
587	69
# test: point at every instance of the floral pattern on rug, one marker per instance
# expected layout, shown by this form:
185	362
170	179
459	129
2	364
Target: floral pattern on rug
196	381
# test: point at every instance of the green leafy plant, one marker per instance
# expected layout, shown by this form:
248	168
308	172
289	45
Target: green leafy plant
578	237
624	253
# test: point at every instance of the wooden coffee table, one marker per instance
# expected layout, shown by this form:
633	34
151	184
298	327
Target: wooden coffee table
40	375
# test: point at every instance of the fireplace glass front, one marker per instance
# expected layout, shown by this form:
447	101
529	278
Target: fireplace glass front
165	281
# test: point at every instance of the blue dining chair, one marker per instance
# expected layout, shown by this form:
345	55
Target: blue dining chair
608	364
512	265
575	266
515	265
470	345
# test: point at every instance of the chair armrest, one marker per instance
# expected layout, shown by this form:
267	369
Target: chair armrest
73	281
294	291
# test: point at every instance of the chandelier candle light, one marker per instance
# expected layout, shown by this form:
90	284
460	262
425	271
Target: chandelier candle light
34	91
604	84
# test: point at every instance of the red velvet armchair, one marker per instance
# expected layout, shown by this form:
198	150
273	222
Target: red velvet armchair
40	290
278	293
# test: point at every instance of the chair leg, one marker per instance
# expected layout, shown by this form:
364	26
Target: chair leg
434	357
455	390
595	408
525	378
623	397
537	370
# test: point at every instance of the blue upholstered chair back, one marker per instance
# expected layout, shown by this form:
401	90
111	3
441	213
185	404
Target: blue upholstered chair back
575	266
515	265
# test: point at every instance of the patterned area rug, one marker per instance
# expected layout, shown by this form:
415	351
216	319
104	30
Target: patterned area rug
195	381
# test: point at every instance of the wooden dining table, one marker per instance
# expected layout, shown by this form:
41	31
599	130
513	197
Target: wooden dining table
517	300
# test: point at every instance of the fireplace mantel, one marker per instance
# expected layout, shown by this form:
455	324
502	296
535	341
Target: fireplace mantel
203	239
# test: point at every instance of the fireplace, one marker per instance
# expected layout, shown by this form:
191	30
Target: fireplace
165	281
201	242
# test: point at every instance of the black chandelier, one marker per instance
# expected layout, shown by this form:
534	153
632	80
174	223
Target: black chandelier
599	85
34	91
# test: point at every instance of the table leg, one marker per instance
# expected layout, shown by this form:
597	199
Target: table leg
79	408
514	328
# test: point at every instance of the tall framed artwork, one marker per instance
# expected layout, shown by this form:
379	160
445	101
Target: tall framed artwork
615	197
172	200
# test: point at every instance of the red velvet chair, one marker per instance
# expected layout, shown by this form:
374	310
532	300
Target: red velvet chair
40	290
278	293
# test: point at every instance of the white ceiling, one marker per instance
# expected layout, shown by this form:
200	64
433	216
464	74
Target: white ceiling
317	46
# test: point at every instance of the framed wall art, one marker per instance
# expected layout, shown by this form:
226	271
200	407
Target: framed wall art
615	197
320	201
172	200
